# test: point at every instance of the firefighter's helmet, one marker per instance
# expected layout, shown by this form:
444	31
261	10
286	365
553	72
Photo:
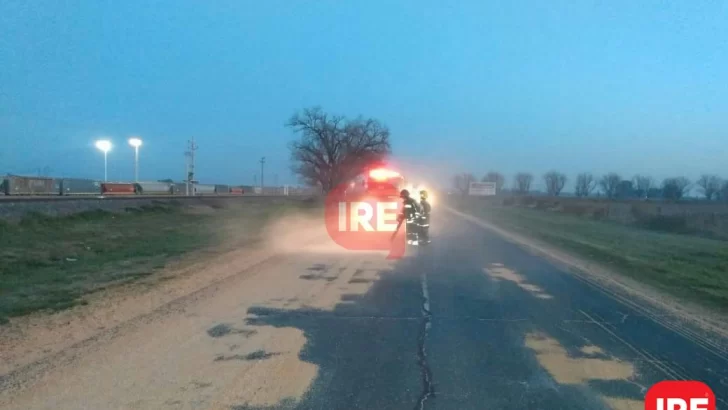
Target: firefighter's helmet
404	193
423	194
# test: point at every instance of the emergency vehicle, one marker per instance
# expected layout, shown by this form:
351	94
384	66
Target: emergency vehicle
380	182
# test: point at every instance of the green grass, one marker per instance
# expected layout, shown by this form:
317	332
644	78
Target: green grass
50	263
686	266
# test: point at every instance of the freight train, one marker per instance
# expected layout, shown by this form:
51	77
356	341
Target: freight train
43	186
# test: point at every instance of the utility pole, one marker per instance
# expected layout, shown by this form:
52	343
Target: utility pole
190	154
262	168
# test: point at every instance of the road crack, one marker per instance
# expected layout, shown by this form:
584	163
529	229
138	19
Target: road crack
428	388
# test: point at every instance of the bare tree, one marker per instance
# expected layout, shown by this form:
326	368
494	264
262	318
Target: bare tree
331	149
710	185
642	185
523	182
555	182
675	188
462	181
585	184
496	177
609	184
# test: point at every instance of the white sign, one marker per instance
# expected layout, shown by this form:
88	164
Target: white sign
482	189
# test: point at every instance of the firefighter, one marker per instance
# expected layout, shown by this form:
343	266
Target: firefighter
424	221
410	215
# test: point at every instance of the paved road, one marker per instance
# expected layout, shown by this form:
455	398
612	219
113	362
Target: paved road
471	322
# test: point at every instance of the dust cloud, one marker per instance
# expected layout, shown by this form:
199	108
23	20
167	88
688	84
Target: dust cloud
305	232
292	232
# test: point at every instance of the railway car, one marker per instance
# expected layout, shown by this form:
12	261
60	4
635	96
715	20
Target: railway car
118	188
179	188
236	190
222	189
154	188
19	185
78	186
272	190
204	189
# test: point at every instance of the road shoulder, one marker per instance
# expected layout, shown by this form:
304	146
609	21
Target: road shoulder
692	321
39	339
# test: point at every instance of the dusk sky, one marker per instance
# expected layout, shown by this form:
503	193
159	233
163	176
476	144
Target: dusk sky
627	86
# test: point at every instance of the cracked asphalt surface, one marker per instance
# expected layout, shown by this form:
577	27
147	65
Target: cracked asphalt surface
470	322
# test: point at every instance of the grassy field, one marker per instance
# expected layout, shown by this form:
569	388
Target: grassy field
50	263
686	266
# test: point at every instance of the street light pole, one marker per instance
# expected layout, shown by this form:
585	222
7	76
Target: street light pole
136	143
104	146
136	164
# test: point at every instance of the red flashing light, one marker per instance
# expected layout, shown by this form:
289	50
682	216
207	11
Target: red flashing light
381	174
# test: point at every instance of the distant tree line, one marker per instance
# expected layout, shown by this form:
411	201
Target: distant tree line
612	185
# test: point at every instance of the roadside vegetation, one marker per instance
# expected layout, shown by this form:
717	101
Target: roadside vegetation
687	266
49	263
612	185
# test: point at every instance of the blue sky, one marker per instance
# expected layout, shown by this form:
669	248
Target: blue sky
630	86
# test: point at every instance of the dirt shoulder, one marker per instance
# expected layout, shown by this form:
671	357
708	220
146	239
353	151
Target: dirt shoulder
238	247
698	323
